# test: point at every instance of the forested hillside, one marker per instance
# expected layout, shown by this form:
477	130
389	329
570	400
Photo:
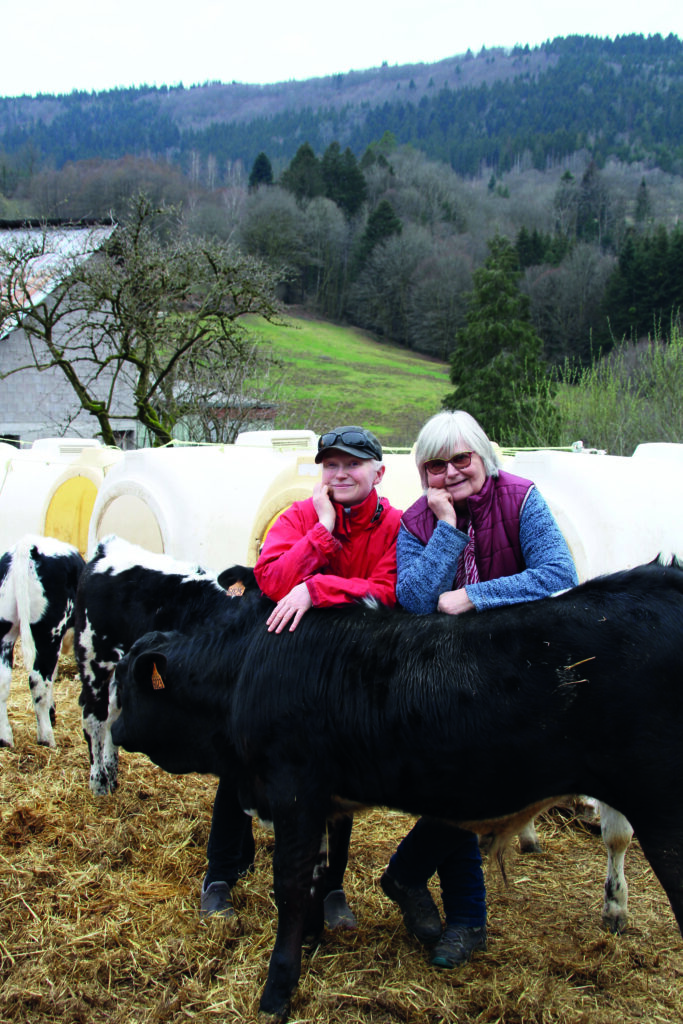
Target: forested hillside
378	197
498	109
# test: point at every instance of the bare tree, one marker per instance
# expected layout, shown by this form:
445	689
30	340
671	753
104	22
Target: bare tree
381	297
566	301
215	396
439	297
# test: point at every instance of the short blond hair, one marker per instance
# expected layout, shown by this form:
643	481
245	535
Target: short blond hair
449	432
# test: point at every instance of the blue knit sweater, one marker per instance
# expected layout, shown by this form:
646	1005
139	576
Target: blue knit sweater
426	571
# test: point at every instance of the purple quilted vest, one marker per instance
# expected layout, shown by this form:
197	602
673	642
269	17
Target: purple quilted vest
495	513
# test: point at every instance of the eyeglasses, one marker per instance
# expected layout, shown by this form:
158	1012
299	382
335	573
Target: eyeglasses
437	467
356	438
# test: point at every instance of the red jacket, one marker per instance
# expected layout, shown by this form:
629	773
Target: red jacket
358	558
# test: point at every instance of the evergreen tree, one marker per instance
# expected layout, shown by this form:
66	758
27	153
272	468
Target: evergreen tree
531	247
643	212
675	272
382	224
646	289
497	365
304	176
343	179
261	172
379	152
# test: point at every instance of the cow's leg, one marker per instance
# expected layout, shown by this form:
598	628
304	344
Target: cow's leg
616	835
41	679
43	705
663	848
314	922
6	662
297	851
100	710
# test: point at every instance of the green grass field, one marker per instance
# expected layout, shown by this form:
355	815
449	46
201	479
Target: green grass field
339	375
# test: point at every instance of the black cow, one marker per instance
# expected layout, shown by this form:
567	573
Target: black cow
483	720
124	592
38	580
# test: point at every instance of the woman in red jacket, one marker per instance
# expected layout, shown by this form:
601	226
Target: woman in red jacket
338	545
335	547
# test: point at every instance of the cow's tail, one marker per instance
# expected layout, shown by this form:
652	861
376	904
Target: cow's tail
497	852
23	570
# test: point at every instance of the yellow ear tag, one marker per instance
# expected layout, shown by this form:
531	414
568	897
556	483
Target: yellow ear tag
236	590
157	681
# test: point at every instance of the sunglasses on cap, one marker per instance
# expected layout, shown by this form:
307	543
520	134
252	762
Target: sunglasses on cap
357	439
437	467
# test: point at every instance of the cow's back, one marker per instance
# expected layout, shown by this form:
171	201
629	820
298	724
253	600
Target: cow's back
125	591
597	668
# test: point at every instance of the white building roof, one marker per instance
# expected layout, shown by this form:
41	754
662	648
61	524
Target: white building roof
60	249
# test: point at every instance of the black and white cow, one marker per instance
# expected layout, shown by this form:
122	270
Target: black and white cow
483	720
38	580
124	592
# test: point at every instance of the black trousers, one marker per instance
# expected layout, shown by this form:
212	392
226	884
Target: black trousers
230	850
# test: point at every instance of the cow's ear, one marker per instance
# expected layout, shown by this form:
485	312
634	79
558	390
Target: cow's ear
239	577
149	669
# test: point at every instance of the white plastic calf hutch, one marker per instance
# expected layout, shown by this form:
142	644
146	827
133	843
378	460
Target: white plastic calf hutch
50	488
214	504
614	511
210	505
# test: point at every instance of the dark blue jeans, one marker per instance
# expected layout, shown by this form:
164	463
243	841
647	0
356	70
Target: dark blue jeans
433	845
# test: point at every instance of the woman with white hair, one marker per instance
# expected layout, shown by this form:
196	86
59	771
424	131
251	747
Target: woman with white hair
477	538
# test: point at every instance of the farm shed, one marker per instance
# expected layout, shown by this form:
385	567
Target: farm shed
41	403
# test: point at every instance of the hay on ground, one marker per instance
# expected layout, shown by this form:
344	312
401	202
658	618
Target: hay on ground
99	914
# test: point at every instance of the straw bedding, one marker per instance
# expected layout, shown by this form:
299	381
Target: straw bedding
99	923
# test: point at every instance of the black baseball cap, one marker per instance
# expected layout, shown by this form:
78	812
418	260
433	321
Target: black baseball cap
353	440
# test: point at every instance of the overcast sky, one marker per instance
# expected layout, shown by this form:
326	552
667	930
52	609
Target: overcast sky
77	44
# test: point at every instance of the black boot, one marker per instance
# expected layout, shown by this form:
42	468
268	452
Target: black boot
216	899
420	914
457	944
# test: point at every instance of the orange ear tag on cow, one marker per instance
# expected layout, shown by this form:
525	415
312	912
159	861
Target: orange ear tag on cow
157	681
236	590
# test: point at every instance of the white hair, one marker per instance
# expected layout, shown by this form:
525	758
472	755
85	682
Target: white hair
448	432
